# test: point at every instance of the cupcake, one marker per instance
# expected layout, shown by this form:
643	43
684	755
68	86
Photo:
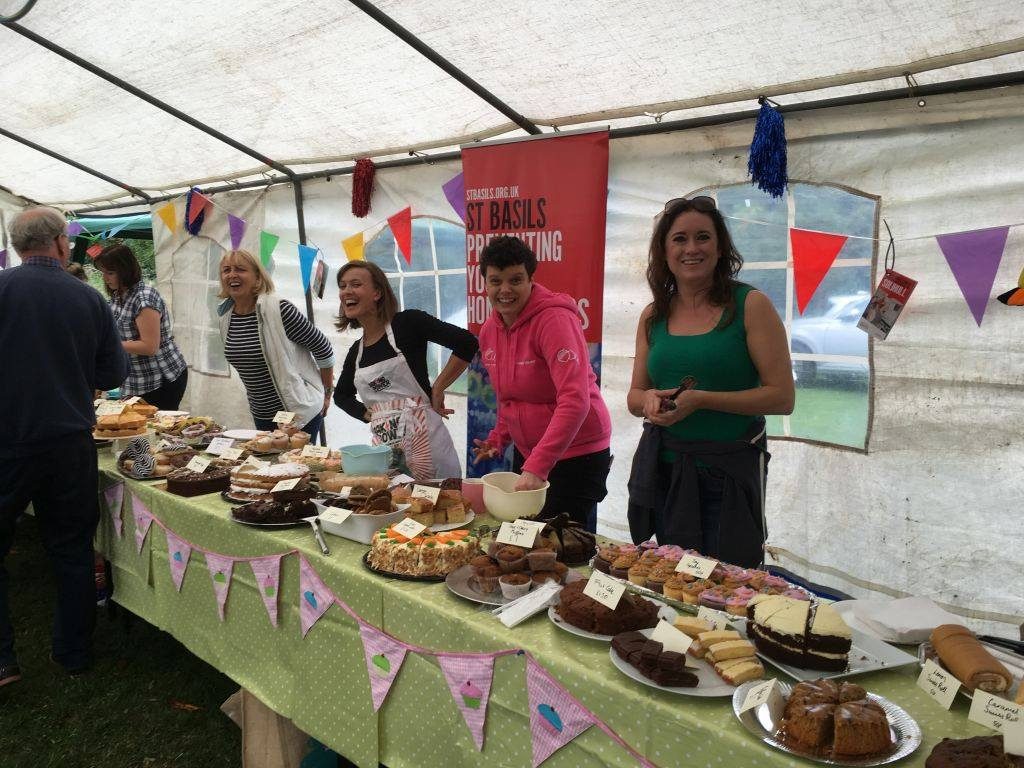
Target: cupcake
774	585
514	585
656	580
622	564
541	559
511	559
756	579
638	573
561	570
713	598
736	606
675	585
650	557
796	594
691	592
471	695
736	577
543	577
481	561
486	579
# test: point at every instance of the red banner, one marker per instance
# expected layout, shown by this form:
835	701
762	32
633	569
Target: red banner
550	192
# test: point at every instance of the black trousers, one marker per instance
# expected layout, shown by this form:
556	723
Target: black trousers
62	484
577	484
167	397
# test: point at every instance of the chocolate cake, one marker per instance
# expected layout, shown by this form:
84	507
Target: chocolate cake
185	482
835	720
799	633
582	611
667	668
574	543
273	512
976	752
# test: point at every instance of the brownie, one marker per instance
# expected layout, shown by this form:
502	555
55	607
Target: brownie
273	512
185	482
976	752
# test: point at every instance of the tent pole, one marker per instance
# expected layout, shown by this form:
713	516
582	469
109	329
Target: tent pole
936	89
434	57
75	164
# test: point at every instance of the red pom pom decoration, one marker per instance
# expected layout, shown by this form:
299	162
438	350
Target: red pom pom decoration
362	186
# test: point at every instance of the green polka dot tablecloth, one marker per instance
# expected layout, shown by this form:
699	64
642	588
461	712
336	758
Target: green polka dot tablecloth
321	683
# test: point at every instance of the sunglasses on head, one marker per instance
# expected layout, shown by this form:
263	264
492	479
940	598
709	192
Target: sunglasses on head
698	203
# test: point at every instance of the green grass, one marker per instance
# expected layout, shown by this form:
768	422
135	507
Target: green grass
828	413
125	712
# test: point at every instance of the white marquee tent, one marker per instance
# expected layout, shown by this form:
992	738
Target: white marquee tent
917	106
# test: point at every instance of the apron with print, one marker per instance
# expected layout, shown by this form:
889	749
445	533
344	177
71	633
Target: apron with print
401	416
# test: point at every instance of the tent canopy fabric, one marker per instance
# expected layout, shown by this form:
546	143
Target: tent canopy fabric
321	81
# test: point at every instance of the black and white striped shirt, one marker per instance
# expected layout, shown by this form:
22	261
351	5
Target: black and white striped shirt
242	349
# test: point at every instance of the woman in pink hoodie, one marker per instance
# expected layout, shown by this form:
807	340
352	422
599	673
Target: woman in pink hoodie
549	403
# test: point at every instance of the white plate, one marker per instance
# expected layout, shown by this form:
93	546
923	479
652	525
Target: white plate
868	654
439	527
709	684
904	730
458	582
243	434
664	612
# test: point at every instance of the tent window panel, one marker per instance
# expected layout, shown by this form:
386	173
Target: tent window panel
422	252
453	310
450	245
214	354
381	251
831	366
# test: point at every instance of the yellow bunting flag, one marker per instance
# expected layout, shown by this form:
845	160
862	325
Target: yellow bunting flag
168	217
353	247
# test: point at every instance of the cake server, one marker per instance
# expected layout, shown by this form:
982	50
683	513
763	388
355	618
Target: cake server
314	523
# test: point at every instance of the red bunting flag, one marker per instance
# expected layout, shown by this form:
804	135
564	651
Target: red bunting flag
196	205
401	228
813	254
94	251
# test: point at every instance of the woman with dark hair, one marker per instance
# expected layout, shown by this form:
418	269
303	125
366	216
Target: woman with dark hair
384	378
712	359
156	370
549	404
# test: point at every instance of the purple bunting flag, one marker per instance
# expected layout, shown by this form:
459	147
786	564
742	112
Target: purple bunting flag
143	519
75	229
556	717
114	496
974	259
237	227
3	259
178	553
384	657
455	193
220	567
267	572
469	680
314	596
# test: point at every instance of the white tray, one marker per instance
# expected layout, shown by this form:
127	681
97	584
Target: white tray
360	528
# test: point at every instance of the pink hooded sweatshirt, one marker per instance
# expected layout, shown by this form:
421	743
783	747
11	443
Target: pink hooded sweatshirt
548	399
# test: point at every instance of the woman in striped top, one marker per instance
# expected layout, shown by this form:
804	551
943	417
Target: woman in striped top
284	361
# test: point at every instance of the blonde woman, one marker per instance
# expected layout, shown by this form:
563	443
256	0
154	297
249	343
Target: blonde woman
284	361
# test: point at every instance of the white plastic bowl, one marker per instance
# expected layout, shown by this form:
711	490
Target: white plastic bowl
360	528
506	504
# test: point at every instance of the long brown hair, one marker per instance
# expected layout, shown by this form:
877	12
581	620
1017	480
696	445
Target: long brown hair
387	305
660	278
119	258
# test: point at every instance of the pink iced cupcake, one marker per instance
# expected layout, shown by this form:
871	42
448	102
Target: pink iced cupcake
757	579
715	598
796	594
736	577
736	606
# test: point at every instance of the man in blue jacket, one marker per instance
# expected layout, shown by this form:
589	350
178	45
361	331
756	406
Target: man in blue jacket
59	345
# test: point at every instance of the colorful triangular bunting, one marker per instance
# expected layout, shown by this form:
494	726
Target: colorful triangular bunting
237	228
178	553
353	247
268	241
314	596
401	228
168	216
114	496
3	258
384	657
75	228
469	680
813	254
974	260
307	255
220	568
556	718
455	193
196	206
143	519
267	572
94	250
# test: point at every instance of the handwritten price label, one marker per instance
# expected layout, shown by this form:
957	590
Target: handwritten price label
938	683
764	693
410	528
718	619
220	444
284	417
198	464
286	485
606	590
519	533
255	463
671	639
110	408
316	451
425	492
994	712
234	454
131	401
701	567
335	516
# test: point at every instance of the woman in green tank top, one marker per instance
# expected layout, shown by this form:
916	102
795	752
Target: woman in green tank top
712	357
